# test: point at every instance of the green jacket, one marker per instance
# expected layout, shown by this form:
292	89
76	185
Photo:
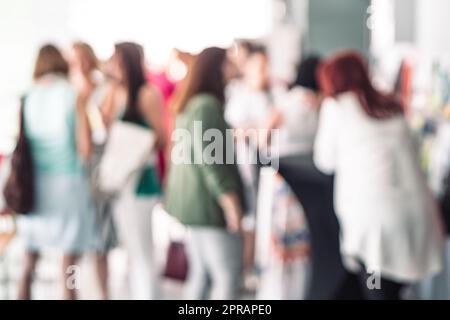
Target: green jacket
194	186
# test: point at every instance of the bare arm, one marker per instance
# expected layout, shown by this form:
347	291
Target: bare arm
83	129
151	104
108	106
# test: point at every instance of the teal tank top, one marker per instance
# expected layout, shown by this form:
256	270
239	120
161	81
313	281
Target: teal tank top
50	115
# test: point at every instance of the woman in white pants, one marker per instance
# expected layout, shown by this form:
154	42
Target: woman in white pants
133	217
131	99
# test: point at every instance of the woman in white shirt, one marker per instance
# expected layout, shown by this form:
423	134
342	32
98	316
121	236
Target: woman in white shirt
249	109
297	111
389	222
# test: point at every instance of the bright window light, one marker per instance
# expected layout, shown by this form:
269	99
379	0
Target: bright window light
159	25
162	25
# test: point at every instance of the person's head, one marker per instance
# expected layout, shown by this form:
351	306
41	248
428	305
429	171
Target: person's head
208	74
240	52
256	68
84	59
128	62
347	71
307	74
50	60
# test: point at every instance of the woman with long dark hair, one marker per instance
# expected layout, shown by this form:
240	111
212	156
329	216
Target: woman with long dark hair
390	229
132	100
206	195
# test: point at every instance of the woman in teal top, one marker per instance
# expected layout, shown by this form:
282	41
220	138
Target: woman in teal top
131	99
205	193
63	215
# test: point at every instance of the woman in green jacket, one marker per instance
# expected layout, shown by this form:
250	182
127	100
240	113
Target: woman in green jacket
204	190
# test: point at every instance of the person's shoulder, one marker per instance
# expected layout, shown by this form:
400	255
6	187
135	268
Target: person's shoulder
345	103
63	85
203	101
58	81
204	106
331	104
296	95
235	85
347	99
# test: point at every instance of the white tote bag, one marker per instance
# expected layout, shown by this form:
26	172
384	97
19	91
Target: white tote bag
128	149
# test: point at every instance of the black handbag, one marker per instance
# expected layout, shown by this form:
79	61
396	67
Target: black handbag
19	190
444	203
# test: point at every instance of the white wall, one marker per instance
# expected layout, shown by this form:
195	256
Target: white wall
24	24
433	32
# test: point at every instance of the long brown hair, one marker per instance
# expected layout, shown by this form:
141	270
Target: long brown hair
50	60
347	72
132	59
205	76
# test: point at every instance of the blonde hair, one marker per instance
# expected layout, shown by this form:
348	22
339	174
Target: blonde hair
87	54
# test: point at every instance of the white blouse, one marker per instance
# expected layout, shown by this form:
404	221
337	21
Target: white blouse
388	218
246	107
299	123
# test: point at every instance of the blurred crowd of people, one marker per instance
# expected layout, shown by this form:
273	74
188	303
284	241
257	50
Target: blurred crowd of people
389	220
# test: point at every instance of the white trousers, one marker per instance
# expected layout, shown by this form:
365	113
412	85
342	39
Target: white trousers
133	218
215	257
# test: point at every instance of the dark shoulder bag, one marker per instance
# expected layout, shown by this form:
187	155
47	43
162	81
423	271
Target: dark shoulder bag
444	202
19	190
176	267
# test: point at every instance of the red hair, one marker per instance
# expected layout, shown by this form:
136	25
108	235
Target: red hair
347	72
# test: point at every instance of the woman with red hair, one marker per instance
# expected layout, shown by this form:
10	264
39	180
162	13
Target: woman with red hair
390	229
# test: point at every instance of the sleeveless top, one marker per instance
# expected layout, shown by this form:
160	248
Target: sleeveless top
50	116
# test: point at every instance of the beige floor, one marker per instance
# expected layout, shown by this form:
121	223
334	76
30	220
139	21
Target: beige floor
47	284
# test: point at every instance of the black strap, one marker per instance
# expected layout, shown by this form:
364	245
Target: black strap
22	117
445	202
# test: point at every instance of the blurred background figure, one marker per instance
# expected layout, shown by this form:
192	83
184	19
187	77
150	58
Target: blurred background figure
249	107
297	111
285	274
161	79
166	79
91	87
389	222
240	52
131	99
249	99
55	123
207	198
